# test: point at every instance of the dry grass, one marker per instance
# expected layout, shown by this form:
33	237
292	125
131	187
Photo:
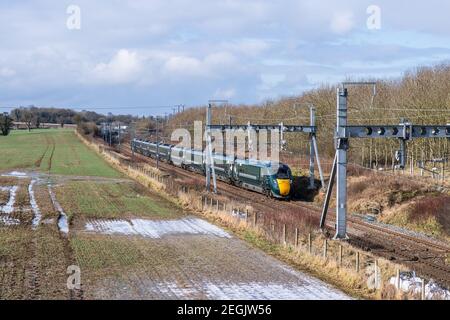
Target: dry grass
428	215
431	207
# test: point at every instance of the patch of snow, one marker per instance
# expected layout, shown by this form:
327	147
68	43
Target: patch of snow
37	213
251	291
15	174
63	224
8	208
8	221
409	282
155	228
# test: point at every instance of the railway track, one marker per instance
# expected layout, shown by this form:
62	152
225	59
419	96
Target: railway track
425	256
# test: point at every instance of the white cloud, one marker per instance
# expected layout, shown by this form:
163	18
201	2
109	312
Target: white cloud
272	80
7	72
206	67
252	47
124	67
342	22
219	60
183	65
224	93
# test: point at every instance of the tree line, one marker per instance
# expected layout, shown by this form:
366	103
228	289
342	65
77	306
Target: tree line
421	96
34	117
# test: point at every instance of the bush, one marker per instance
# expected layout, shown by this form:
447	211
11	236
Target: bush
5	124
430	207
89	128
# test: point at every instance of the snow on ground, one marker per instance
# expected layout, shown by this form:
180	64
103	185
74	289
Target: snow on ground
193	259
8	208
63	224
36	212
16	174
8	221
251	291
409	282
155	228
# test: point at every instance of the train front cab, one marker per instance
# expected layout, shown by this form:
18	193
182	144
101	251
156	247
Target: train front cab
280	180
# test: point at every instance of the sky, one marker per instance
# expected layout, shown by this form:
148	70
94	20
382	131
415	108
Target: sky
143	57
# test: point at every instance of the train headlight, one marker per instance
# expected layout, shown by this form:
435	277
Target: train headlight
275	185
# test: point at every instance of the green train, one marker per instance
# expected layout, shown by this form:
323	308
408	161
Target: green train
273	179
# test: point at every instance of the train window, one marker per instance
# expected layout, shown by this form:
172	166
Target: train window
283	172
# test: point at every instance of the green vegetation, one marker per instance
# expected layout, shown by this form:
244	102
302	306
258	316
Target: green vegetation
112	200
98	254
32	258
55	151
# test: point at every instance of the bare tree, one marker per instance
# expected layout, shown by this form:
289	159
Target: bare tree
37	120
27	117
17	114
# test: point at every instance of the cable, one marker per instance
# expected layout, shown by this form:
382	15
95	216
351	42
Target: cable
411	109
99	108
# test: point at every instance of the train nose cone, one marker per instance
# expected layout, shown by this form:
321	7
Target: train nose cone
285	186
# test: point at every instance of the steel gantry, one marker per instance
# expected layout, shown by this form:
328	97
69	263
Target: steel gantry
404	131
309	129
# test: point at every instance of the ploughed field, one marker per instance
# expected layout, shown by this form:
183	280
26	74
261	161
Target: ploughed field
61	205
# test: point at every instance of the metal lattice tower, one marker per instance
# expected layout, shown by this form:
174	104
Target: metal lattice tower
405	132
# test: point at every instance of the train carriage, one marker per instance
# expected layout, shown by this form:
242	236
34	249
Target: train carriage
223	166
194	160
247	174
178	156
144	147
165	152
271	178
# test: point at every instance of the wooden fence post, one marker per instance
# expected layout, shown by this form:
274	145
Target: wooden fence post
423	295
377	284
357	261
397	280
309	243
217	206
325	248
284	235
340	255
255	219
296	237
